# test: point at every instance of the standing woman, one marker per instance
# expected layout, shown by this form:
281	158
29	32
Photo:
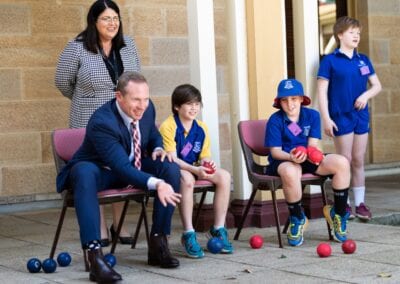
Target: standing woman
87	73
346	82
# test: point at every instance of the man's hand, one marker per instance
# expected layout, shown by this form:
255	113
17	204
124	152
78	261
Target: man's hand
167	195
162	154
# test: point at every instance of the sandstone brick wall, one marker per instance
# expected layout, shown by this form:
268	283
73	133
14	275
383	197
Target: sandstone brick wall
32	35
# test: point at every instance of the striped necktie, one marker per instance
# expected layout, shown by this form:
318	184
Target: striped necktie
136	146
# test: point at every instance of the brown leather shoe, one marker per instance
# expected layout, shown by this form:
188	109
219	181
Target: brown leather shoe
159	254
100	271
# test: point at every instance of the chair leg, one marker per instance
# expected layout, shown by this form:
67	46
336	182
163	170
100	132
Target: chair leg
325	202
58	231
119	227
196	219
277	222
284	231
146	224
86	261
246	211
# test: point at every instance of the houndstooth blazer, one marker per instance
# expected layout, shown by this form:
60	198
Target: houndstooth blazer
82	76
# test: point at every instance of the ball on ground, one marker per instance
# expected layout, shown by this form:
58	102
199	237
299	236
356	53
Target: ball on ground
110	259
215	245
63	259
349	246
324	250
49	265
256	241
34	265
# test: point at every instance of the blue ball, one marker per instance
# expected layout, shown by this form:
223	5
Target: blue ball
110	259
215	245
49	265
34	265
64	259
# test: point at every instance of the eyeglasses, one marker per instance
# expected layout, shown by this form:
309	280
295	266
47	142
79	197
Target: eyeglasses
110	20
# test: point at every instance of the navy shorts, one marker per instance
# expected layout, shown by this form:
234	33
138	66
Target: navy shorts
354	121
307	167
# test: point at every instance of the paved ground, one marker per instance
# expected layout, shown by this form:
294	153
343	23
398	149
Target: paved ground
377	260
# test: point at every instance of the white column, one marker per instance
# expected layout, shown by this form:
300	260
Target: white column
239	100
306	46
203	66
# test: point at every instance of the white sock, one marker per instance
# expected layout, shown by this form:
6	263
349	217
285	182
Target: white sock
359	195
218	227
189	231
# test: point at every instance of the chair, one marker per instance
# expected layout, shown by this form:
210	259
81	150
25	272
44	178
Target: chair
252	136
65	143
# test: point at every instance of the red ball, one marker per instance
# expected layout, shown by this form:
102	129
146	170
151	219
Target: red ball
324	250
300	149
314	155
210	170
349	246
256	241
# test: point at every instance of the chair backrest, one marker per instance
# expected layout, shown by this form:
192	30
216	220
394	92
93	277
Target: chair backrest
65	143
252	133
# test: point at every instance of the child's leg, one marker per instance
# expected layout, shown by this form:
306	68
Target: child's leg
290	173
357	167
222	180
186	205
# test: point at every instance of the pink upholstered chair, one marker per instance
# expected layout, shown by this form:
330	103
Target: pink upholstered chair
65	143
252	137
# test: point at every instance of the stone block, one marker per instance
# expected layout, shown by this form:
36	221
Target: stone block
394	51
221	52
226	160
380	51
177	22
382	26
14	19
395	102
224	136
10	84
385	128
384	7
38	115
157	3
39	83
169	51
388	151
219	22
148	21
163	107
49	18
381	103
19	148
143	47
47	150
224	108
163	80
388	75
30	179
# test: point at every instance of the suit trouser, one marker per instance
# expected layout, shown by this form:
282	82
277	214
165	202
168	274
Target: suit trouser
87	179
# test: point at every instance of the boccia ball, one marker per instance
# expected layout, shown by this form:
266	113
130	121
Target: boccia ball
324	250
256	241
110	259
314	155
34	265
215	245
64	259
49	265
300	149
209	169
349	246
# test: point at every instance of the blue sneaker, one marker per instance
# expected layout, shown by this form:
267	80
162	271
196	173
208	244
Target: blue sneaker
222	234
192	247
296	229
338	224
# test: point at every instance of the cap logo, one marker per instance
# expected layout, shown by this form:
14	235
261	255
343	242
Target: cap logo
288	85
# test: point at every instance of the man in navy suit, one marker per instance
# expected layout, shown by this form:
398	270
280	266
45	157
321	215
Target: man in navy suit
106	160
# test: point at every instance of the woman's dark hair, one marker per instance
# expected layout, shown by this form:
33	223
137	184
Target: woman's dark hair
184	94
90	36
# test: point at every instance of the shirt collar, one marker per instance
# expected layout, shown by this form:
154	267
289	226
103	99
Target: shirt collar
127	120
337	51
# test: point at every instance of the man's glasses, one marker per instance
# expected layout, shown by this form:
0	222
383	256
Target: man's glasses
110	20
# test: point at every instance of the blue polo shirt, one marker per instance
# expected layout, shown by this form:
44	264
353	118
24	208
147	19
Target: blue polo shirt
348	79
278	133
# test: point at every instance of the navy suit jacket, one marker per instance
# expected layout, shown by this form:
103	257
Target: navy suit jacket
107	143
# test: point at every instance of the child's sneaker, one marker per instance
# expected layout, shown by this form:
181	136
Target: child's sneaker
362	212
222	234
350	211
337	223
296	229
192	247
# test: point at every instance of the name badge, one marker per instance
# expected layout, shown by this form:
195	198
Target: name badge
364	70
294	128
186	149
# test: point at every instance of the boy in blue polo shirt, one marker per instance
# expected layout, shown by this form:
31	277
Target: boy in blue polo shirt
343	97
292	126
186	139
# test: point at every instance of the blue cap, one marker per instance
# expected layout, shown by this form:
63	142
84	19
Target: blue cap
289	88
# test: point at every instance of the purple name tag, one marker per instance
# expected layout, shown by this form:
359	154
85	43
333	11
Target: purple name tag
294	128
364	70
186	149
